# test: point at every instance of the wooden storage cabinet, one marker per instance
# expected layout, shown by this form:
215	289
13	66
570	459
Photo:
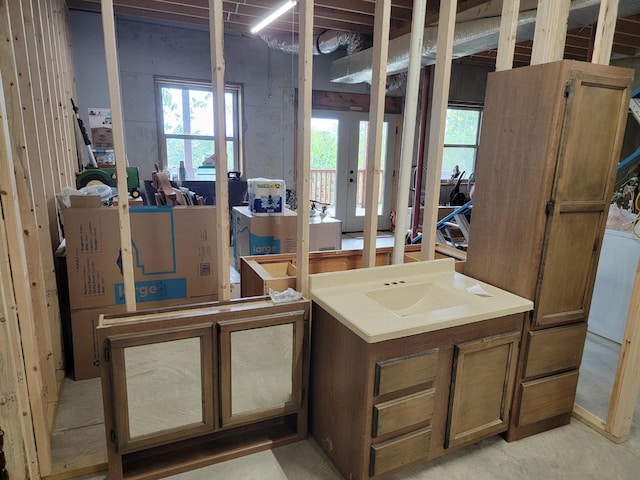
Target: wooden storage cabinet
550	143
185	387
378	407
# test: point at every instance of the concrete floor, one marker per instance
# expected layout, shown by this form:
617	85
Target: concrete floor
571	452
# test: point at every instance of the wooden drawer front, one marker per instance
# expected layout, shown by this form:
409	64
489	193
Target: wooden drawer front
547	397
403	412
399	373
399	451
555	349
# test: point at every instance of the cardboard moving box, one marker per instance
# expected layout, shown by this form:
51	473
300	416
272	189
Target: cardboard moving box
259	235
174	252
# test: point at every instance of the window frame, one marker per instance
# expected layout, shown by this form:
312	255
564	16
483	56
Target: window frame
465	106
236	89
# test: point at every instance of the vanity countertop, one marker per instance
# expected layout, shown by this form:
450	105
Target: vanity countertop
394	301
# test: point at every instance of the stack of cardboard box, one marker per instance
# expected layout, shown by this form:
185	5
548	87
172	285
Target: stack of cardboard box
174	251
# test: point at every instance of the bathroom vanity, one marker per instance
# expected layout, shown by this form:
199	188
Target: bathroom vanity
408	363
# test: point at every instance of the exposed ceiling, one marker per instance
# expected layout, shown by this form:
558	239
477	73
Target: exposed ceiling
358	15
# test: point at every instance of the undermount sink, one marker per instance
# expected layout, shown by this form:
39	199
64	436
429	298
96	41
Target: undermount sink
410	299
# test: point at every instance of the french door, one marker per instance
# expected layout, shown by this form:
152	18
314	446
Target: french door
339	164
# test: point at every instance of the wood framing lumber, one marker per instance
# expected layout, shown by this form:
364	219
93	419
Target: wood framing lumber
439	105
550	31
115	100
627	382
508	31
20	184
216	37
22	320
376	121
28	85
605	30
303	143
408	129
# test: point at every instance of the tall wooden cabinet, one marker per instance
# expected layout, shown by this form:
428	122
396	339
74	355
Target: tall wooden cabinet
549	148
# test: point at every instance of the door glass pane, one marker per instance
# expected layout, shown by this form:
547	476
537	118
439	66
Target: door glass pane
261	377
164	386
324	161
362	167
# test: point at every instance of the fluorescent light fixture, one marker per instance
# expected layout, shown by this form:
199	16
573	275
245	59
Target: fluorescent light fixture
281	10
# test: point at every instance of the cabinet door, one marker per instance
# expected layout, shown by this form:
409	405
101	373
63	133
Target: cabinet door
265	382
162	385
481	388
591	138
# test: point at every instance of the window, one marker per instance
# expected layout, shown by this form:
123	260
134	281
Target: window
186	126
461	135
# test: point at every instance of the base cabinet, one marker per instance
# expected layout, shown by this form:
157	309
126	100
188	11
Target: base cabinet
186	387
376	408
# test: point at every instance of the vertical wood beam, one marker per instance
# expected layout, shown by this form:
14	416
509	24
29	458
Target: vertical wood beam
115	101
17	422
627	383
41	27
10	57
54	90
25	330
303	143
508	31
70	150
68	141
34	39
439	103
216	38
376	120
550	32
33	170
604	32
409	127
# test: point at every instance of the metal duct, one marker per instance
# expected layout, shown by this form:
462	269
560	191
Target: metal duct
469	37
327	42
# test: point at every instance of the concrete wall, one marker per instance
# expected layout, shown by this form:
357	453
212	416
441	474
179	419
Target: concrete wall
269	78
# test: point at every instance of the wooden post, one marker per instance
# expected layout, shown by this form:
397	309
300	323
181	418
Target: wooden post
627	382
303	143
17	422
408	127
550	32
21	326
108	26
28	84
605	31
508	31
376	120
444	52
53	124
20	184
216	36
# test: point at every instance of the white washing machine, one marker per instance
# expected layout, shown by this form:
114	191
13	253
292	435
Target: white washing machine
614	284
